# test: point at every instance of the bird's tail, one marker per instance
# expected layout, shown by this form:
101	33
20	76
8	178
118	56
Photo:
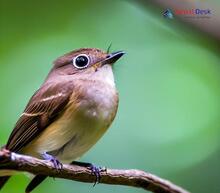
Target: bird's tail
3	180
35	182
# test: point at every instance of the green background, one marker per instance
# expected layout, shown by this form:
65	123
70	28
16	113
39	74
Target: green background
169	86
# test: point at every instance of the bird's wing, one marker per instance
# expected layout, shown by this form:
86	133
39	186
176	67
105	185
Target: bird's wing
42	109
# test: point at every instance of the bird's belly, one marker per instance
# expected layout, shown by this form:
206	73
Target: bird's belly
84	134
74	133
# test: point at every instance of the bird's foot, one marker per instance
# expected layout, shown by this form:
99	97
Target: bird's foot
95	170
56	163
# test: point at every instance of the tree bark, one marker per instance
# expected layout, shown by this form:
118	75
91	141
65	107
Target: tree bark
131	177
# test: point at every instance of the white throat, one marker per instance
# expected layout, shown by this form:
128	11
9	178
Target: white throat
105	75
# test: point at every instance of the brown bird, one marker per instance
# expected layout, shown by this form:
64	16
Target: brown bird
69	113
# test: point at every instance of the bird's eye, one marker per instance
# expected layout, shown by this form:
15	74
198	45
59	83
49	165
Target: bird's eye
81	61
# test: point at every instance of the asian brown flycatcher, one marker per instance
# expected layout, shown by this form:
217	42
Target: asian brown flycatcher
70	112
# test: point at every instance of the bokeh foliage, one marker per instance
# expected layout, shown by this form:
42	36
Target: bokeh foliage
169	86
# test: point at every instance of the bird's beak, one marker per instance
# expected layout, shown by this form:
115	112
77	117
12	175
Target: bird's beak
113	57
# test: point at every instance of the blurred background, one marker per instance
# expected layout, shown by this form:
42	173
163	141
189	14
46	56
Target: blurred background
168	121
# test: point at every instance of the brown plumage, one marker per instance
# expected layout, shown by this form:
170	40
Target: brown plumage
38	115
71	110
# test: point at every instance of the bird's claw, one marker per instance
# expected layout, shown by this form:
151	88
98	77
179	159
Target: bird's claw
96	172
56	163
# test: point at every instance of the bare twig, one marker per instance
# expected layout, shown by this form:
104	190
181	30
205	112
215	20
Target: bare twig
135	178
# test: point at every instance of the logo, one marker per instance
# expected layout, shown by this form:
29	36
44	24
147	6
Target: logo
188	13
168	14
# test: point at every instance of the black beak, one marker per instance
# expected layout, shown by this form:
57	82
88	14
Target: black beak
113	57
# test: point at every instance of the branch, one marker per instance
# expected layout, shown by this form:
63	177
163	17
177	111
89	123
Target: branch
135	178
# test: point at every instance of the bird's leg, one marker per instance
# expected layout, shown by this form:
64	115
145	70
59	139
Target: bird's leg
95	170
57	164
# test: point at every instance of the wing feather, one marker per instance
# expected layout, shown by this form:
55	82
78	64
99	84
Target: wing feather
42	109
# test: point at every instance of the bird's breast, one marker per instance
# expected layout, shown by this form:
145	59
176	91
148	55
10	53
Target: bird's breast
96	109
84	120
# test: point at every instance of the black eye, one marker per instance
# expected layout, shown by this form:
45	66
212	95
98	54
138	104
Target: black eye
81	61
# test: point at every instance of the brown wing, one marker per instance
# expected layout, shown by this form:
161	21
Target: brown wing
41	110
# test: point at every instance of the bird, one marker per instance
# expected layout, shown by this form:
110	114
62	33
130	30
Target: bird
69	113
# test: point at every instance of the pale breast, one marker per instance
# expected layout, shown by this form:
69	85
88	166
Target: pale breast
94	115
85	120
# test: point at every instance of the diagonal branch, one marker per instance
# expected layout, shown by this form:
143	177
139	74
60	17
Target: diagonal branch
135	178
